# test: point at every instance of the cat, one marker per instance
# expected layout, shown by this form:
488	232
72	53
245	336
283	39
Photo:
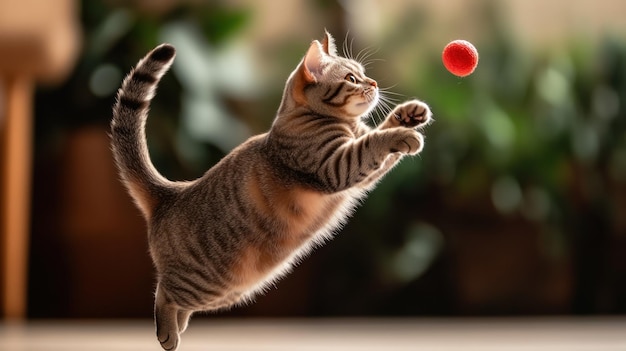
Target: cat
218	240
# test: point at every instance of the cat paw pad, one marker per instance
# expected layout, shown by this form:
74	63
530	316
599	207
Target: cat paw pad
412	114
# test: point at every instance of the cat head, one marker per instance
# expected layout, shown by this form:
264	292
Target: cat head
332	85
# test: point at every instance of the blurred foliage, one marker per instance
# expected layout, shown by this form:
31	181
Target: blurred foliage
115	38
533	137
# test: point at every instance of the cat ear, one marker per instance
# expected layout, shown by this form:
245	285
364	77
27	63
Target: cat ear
313	61
329	44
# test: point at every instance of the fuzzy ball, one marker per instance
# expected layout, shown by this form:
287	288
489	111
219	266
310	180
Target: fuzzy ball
460	58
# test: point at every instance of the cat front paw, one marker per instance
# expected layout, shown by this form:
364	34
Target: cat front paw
411	114
408	141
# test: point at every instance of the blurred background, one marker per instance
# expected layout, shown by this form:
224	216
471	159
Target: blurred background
516	206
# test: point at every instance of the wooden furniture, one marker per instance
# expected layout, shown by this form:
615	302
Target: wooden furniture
38	42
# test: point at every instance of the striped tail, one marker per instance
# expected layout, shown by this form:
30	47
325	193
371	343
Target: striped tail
128	137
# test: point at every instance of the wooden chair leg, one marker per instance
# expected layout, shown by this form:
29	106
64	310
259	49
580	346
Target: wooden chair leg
16	159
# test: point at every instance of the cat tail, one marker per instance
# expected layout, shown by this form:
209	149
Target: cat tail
128	137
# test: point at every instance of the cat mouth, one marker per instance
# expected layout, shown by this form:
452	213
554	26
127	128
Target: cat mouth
366	102
370	96
370	100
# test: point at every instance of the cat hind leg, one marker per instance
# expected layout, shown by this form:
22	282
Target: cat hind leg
166	316
183	320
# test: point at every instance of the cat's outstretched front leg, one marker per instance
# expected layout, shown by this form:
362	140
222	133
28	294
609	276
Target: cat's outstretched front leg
411	114
356	160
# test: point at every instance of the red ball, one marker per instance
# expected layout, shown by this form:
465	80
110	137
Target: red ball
460	58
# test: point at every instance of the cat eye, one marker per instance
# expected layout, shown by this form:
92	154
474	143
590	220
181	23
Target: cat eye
351	78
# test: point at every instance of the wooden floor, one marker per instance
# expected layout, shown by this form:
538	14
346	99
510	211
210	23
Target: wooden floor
595	334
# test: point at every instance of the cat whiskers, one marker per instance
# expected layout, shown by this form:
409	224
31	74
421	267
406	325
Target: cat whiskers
366	53
386	103
369	62
347	50
363	56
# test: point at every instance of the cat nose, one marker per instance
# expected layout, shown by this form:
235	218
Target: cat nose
373	83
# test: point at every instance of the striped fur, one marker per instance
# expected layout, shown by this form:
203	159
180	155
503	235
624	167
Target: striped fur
218	240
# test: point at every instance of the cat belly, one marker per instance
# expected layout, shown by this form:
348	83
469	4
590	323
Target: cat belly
298	212
303	218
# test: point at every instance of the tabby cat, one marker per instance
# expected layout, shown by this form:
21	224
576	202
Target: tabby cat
218	240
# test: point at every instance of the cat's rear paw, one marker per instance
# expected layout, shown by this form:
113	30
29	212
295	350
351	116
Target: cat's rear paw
412	114
169	342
